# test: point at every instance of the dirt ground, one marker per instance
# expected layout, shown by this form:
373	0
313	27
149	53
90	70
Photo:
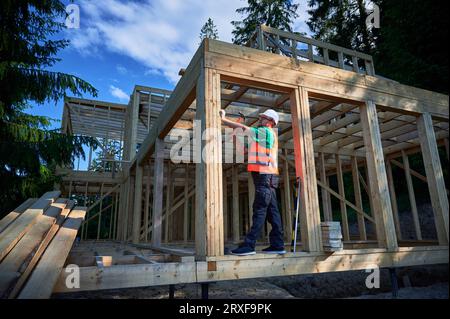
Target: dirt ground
414	282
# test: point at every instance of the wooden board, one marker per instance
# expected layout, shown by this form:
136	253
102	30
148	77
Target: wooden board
40	285
5	221
377	178
11	235
42	247
9	267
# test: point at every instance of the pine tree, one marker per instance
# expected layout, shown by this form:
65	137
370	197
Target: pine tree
408	45
342	22
29	150
274	13
209	30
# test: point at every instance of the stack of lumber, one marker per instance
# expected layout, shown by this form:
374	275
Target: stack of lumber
35	240
331	236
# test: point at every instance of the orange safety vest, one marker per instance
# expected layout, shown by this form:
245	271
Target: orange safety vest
262	159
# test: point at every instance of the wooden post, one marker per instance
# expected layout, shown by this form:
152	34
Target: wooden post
87	214
208	173
130	206
120	212
343	206
377	178
433	169
358	199
235	195
341	60
168	216
287	199
412	197
305	170
137	209
225	206
366	186
100	213
261	42
147	202
398	230
158	184
326	200
134	125
326	58
186	205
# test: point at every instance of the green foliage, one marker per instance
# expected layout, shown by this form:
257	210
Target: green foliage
341	22
408	46
209	30
411	46
274	13
110	150
30	152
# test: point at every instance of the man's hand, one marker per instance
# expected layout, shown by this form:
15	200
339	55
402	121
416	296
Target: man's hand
222	114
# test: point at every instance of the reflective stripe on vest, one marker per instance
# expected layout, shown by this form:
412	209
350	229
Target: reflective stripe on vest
262	159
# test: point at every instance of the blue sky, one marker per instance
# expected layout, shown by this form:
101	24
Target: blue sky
123	43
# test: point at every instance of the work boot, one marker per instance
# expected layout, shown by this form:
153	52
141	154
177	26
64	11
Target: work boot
243	250
274	250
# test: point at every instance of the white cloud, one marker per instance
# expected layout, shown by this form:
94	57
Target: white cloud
163	35
118	93
121	69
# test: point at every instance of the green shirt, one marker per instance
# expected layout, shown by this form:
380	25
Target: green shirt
264	136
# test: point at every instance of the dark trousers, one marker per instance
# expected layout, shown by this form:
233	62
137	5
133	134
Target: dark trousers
265	204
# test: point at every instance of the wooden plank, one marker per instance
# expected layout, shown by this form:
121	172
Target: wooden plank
358	198
158	184
147	203
133	127
435	177
326	203
128	276
412	197
235	197
377	177
18	228
340	180
9	268
137	209
390	178
40	250
169	206
186	205
209	196
8	219
287	198
261	265
45	275
225	206
305	170
322	80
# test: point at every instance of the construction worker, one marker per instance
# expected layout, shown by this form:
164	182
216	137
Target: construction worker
263	165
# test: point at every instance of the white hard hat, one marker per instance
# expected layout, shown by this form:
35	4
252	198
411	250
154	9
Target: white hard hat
272	115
